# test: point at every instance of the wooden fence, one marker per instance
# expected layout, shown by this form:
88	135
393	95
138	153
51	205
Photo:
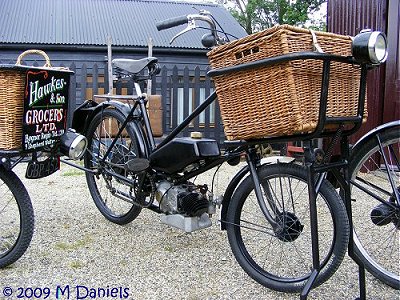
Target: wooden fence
182	90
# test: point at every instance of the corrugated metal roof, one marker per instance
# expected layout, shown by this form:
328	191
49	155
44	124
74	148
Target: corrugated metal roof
89	22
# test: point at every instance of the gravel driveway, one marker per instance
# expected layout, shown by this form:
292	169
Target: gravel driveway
76	250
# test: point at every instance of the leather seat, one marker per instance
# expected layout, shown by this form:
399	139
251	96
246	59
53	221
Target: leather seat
134	65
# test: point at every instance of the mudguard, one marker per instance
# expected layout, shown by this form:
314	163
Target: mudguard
359	144
373	132
84	114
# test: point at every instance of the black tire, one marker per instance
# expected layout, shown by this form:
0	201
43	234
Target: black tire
377	245
102	187
283	261
16	218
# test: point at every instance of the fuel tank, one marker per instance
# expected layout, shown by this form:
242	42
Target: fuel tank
175	156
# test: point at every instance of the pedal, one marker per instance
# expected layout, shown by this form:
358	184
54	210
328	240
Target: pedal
137	165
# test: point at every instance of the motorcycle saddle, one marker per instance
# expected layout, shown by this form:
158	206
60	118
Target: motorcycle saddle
134	66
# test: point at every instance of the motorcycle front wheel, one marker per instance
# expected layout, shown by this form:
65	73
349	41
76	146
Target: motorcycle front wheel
282	259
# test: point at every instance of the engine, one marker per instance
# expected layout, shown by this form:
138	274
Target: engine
186	199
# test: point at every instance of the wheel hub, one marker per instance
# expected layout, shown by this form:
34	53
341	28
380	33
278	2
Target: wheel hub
289	228
383	214
120	156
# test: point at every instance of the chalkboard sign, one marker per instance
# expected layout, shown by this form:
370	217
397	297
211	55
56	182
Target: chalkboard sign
45	108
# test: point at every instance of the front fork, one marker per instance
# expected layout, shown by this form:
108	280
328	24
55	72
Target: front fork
253	161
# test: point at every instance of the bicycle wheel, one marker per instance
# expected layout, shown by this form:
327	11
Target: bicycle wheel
16	218
376	225
114	197
282	259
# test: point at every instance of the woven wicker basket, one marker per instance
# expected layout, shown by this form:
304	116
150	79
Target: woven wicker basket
12	84
282	99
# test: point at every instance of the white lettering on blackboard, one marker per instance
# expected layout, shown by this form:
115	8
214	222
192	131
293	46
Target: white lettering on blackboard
37	93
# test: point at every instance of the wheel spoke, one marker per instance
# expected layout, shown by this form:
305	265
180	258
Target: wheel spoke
6	204
375	166
256	227
282	260
114	196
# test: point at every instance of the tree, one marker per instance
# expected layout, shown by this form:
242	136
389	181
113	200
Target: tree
256	15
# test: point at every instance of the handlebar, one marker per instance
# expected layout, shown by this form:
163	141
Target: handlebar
172	22
204	16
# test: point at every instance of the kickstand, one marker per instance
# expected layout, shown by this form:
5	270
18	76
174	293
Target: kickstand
309	159
345	183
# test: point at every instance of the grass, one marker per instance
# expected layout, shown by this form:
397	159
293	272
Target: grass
76	264
169	248
73	172
74	246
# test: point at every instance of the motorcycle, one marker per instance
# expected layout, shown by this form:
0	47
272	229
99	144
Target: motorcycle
269	209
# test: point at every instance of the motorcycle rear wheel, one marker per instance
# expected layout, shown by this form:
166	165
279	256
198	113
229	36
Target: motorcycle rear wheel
104	186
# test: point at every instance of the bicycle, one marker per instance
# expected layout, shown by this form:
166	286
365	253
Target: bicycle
33	131
375	180
16	218
263	204
374	168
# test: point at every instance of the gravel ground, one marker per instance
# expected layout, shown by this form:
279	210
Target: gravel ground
74	245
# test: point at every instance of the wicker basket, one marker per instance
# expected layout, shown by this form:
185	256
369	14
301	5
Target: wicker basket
282	99
12	84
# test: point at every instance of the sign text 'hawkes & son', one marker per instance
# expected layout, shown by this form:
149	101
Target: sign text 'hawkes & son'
45	107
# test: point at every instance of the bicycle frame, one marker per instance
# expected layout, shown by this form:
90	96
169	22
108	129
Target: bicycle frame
235	148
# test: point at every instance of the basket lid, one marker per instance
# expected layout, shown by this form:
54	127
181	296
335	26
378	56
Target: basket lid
270	31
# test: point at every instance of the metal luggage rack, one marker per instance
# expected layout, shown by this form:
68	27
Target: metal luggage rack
316	170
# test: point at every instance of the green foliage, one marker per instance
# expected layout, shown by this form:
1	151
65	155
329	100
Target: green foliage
256	15
75	245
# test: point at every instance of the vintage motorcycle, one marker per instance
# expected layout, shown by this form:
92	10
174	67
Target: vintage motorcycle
269	210
265	208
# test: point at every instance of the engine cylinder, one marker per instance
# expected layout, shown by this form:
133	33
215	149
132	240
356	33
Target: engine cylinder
193	204
181	199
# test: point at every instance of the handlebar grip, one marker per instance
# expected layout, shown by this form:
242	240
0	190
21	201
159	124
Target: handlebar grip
172	22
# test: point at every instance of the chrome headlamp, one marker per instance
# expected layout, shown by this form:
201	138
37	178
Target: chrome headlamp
73	144
370	47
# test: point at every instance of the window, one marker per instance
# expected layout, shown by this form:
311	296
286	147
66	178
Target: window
202	116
